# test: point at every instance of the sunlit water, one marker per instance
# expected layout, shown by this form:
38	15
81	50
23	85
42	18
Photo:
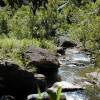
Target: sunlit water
73	62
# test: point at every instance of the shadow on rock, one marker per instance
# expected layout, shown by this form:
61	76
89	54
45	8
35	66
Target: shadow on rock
18	83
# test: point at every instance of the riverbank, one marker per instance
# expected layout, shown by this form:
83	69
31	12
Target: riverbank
72	62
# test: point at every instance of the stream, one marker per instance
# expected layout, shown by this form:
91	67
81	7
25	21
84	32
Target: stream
73	62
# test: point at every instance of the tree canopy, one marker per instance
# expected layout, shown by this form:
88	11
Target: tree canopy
35	4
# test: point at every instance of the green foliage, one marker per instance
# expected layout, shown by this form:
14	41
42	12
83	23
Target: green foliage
58	94
12	48
55	96
97	60
86	30
39	93
16	4
3	26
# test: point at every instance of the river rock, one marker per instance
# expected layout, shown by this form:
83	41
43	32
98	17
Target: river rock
7	97
43	96
40	80
65	42
18	83
94	77
66	87
41	58
39	76
60	50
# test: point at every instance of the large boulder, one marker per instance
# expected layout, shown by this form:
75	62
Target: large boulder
42	96
17	82
45	62
65	42
41	58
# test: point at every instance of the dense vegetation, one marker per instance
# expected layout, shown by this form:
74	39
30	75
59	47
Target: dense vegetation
22	24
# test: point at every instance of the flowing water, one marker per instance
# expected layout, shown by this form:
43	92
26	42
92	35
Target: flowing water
73	62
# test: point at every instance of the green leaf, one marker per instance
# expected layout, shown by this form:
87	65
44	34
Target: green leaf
58	93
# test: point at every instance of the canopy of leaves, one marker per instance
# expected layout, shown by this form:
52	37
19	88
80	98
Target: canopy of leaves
35	4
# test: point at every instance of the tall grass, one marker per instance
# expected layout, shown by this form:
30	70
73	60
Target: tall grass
12	48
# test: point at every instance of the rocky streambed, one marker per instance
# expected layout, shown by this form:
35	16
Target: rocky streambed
74	64
52	71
